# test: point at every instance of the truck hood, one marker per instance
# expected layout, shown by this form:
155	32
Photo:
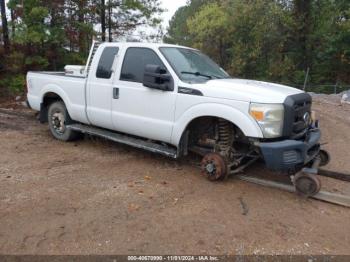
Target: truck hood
246	90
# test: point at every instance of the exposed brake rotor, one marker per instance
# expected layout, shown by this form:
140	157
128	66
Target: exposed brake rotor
213	167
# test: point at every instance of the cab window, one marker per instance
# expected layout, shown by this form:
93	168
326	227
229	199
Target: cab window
135	61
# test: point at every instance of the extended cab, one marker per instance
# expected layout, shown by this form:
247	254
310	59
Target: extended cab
171	100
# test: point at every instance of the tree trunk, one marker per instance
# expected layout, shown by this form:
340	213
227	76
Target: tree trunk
5	31
13	27
53	47
302	14
103	20
81	20
110	38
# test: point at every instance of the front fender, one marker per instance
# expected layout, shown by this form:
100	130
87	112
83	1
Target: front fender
243	121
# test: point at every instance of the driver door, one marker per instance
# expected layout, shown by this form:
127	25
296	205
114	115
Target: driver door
139	110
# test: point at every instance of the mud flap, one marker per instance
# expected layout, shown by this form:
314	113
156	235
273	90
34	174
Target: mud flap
43	113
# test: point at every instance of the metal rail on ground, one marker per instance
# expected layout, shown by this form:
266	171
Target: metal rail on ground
338	199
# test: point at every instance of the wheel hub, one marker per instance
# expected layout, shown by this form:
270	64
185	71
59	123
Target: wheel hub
213	167
58	122
210	168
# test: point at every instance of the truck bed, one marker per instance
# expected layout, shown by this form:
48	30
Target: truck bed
70	88
58	73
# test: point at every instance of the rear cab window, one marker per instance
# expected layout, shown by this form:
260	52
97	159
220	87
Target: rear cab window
104	68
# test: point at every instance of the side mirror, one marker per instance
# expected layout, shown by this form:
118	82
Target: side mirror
157	78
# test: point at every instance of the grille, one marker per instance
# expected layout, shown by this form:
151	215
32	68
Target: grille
290	157
299	124
295	108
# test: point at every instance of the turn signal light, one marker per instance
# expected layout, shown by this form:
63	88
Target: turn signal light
258	115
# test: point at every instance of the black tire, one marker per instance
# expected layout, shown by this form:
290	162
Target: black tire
58	119
307	185
325	157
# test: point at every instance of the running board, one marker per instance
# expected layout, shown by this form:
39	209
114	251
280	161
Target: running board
342	200
126	140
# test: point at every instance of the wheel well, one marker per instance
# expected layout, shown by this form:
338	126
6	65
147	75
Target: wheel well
48	99
204	128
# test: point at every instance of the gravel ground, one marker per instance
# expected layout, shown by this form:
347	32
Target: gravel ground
97	197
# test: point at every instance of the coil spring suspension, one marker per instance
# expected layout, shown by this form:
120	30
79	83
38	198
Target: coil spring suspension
225	132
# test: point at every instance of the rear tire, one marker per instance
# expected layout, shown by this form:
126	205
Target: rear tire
58	119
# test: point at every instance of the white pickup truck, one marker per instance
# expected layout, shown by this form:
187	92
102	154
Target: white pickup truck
171	100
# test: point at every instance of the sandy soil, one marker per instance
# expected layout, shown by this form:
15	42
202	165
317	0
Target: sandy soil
97	197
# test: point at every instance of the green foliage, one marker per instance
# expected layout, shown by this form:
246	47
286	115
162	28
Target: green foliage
258	39
209	30
15	62
178	31
38	62
15	84
2	61
275	40
43	25
75	58
47	35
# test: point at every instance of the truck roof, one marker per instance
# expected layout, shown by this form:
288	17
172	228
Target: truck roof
140	44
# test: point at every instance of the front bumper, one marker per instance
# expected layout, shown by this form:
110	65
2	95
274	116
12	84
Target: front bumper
291	155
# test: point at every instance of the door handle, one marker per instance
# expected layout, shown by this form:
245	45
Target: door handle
115	93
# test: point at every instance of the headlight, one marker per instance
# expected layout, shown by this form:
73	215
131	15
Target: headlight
269	117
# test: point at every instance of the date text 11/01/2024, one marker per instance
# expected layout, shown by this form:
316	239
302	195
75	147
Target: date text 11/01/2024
173	258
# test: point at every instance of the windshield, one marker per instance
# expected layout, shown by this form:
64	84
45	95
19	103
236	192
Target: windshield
192	66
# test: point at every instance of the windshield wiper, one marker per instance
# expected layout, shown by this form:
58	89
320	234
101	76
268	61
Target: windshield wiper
217	77
196	74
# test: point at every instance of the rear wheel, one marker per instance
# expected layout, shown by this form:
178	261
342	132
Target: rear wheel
58	119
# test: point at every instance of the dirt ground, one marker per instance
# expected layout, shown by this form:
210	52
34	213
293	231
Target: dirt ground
98	197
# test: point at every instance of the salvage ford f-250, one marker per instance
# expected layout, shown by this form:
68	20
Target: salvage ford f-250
173	100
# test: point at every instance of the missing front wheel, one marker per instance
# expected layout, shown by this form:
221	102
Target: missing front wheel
213	167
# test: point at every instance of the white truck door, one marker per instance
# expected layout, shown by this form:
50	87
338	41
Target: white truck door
139	110
100	87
